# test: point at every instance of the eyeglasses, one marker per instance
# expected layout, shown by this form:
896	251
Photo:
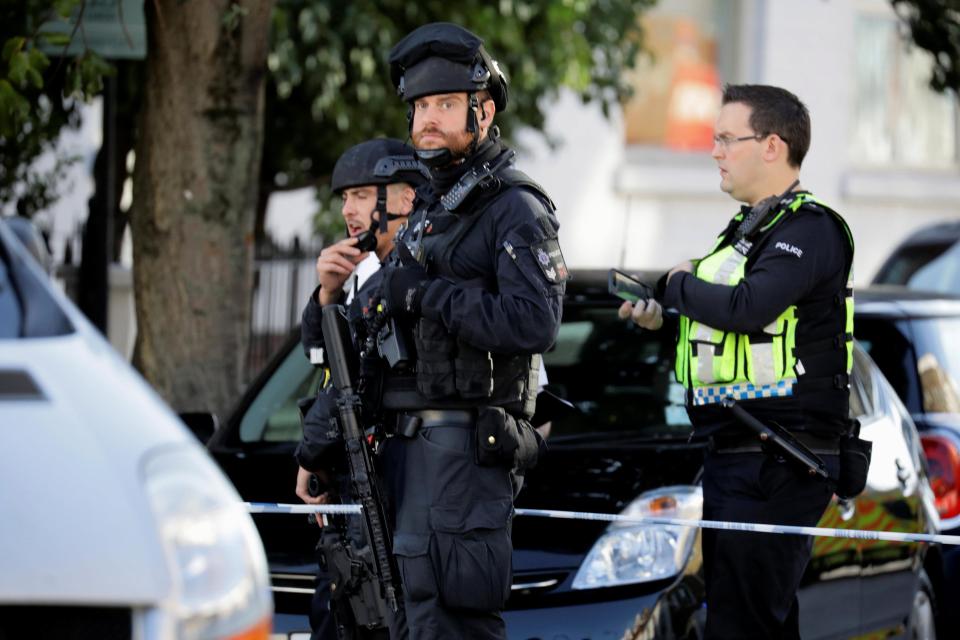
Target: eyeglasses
726	141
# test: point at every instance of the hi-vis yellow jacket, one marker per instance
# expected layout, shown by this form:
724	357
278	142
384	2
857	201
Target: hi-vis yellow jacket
713	364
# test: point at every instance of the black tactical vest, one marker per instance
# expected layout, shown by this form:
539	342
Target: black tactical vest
449	372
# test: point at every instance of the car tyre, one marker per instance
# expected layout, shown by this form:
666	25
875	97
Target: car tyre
922	622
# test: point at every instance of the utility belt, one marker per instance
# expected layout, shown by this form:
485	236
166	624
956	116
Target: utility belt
502	439
804	449
408	423
737	443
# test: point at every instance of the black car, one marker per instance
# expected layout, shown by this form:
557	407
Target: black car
914	337
626	449
927	260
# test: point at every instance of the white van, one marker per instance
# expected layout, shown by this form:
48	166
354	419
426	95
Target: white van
114	521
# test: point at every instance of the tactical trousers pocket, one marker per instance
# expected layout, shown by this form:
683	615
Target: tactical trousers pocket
471	554
416	566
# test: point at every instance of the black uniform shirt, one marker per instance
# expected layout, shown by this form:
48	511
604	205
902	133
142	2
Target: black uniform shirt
801	261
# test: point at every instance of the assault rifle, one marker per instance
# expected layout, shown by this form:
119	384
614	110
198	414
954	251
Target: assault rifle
343	362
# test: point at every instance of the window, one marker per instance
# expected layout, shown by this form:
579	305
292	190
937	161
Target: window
862	387
927	268
618	376
938	363
274	415
924	266
898	119
890	349
692	48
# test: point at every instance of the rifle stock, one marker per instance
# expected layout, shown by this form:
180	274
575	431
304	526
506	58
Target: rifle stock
342	359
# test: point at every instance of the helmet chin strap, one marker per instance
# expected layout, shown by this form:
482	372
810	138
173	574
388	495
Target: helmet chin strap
435	158
473	127
379	222
382	207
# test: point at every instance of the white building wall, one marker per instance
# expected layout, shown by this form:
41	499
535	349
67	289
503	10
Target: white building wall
650	208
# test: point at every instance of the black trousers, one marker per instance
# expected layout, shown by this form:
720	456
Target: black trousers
752	578
452	535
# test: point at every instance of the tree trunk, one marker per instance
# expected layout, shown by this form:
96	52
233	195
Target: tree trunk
195	185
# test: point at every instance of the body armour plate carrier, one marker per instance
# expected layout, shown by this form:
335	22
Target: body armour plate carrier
451	373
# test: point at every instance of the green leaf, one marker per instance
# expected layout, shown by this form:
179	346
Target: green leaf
38	60
56	38
14	109
19	65
84	76
73	85
64	8
12	46
35	78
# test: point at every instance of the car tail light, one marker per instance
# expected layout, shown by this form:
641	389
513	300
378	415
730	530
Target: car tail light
944	461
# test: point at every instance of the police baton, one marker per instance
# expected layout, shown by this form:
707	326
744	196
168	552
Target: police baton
779	438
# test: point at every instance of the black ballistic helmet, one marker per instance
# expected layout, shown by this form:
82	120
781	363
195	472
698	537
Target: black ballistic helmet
377	162
442	57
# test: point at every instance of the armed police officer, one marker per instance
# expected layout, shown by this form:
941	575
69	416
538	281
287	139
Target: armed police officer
477	287
765	331
375	181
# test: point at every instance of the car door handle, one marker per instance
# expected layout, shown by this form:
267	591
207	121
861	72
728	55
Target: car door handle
847	508
903	474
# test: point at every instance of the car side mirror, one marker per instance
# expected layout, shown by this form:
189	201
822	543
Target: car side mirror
203	424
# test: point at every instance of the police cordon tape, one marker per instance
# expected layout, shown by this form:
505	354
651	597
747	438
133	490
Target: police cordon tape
856	534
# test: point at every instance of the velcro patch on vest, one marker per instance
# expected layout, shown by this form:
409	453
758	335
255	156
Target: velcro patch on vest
550	260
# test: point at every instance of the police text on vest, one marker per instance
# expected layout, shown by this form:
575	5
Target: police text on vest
789	248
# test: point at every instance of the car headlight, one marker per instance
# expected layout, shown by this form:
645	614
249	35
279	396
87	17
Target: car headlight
221	583
630	553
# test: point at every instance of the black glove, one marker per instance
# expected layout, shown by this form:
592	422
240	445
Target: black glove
403	289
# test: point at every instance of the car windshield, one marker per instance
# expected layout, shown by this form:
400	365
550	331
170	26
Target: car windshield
925	267
618	376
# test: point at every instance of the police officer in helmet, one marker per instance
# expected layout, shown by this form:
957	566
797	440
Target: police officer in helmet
766	330
477	285
376	181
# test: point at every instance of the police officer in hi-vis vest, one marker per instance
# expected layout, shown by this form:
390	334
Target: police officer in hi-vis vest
766	322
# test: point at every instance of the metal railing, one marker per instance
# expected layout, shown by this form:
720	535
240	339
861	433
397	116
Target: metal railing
283	279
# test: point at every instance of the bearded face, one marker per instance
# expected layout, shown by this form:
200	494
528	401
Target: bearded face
439	122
